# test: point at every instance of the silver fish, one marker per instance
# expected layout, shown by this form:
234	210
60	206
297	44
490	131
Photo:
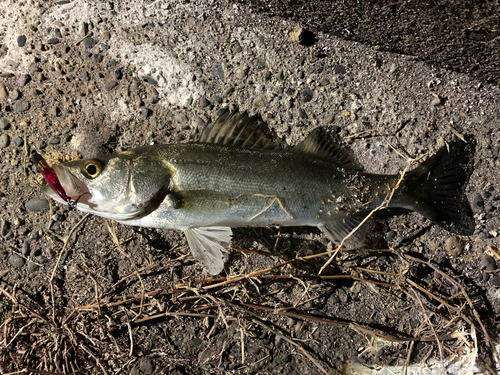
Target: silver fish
236	176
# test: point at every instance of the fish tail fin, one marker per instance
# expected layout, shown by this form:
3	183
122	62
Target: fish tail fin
437	188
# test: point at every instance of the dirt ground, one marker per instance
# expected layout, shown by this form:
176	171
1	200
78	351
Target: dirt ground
79	78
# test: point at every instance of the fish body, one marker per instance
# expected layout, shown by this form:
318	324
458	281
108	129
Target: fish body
235	176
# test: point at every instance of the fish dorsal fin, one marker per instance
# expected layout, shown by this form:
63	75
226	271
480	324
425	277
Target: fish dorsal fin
320	145
207	246
238	130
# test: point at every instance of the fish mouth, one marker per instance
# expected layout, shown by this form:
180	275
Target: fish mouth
73	187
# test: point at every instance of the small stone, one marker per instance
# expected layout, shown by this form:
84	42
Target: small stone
146	365
340	69
110	85
15	94
3	92
24	80
478	202
16	261
19	142
324	82
55	141
89	42
236	48
487	263
32	267
21	106
144	112
118	74
454	245
4	227
149	80
297	35
495	280
181	118
260	101
203	102
241	72
4	124
26	247
218	71
21	40
84	76
4	141
52	41
38	205
216	99
306	95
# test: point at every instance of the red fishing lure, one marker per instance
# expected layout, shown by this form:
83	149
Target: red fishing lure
50	176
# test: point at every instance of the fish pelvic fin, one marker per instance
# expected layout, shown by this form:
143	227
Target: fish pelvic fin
207	246
437	188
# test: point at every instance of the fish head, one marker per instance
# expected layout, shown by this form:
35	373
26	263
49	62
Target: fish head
119	187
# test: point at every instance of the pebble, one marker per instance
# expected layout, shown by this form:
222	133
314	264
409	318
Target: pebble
4	141
236	48
38	205
32	267
297	35
144	112
478	202
4	227
241	72
149	80
340	69
26	247
110	85
21	106
15	94
55	141
21	40
495	280
216	99
53	41
89	42
84	76
487	263
146	365
4	124
454	245
19	142
203	102
16	261
24	80
306	95
260	101
3	92
218	71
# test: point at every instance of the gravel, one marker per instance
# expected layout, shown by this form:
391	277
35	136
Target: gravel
38	205
21	40
21	106
4	123
4	141
16	260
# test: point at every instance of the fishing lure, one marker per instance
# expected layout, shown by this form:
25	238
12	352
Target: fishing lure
50	175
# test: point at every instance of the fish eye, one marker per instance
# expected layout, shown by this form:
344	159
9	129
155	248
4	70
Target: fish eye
92	168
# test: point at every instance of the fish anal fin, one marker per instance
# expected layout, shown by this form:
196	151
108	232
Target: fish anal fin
319	144
207	246
336	231
237	129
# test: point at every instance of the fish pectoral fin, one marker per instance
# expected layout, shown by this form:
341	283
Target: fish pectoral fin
207	246
336	231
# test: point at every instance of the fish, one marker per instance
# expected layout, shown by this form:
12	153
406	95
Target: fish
237	175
